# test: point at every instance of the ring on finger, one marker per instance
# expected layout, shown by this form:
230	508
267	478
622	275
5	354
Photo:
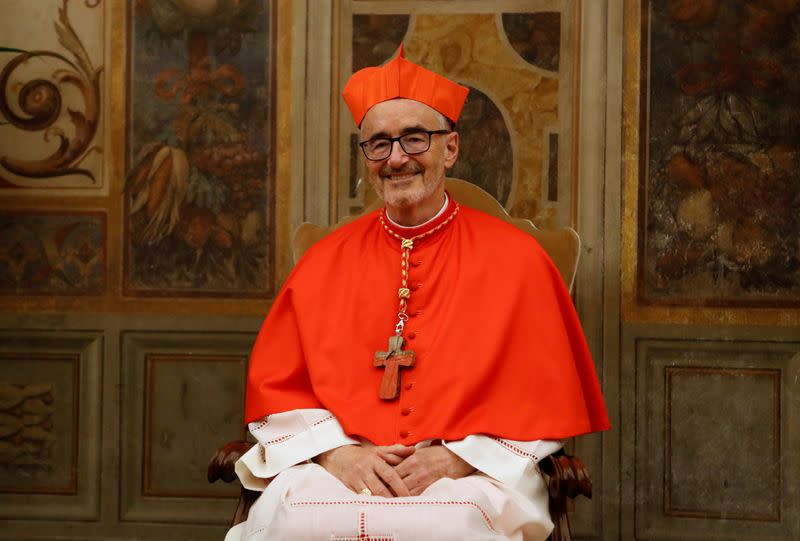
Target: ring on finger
365	492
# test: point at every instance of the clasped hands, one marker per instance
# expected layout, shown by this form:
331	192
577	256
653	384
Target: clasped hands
392	470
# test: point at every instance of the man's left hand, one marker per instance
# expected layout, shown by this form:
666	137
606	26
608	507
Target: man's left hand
427	465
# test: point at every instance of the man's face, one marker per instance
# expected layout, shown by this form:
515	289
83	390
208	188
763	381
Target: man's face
404	180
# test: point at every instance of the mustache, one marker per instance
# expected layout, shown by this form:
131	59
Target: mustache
406	168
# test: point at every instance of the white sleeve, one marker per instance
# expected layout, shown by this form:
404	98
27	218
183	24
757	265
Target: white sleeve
286	439
513	463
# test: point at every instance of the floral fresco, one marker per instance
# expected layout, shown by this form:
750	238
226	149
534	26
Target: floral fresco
198	191
721	134
52	253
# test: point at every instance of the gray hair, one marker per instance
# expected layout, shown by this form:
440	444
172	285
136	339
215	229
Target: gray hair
444	123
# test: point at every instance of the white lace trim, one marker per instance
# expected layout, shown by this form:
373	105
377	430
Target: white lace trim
286	439
514	463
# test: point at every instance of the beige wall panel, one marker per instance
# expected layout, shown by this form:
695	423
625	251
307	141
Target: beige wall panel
52	98
519	124
715	444
183	397
188	400
50	435
698	401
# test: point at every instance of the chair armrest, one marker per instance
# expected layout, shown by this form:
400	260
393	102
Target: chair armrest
222	464
567	476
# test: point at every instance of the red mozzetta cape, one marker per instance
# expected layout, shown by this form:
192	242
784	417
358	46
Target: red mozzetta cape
499	348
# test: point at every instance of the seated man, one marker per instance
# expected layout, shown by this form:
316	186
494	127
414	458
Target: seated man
437	434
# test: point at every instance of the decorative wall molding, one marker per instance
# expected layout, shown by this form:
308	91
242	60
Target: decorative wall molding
53	92
524	89
183	398
51	393
51	253
178	408
750	486
715	440
40	423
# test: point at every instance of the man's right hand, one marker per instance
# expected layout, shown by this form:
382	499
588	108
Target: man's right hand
360	467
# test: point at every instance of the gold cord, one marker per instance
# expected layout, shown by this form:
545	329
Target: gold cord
406	245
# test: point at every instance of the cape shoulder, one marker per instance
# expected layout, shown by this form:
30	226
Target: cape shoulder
495	240
505	243
335	245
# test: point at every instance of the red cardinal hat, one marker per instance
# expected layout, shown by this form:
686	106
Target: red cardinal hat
400	78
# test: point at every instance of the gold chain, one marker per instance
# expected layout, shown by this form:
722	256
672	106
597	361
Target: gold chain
406	245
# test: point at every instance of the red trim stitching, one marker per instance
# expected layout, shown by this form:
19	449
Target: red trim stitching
516	450
323	420
362	532
486	518
255	532
285	437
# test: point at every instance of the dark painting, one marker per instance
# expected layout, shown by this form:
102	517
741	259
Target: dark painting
535	36
485	157
199	187
376	38
720	182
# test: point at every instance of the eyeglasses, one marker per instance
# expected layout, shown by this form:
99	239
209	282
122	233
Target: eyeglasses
415	142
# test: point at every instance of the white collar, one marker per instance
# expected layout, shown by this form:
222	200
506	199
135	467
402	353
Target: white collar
441	211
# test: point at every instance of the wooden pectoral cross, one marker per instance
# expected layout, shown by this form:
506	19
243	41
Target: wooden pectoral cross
392	361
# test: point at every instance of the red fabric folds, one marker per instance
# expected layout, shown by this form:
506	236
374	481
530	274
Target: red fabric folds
499	348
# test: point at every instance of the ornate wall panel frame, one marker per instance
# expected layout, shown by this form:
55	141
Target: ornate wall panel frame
111	199
199	194
159	438
52	385
520	125
53	99
52	253
715	437
700	283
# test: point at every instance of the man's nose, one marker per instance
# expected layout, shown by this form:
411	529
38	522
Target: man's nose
397	156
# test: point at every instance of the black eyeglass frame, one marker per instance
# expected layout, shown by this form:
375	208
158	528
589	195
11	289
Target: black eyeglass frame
398	140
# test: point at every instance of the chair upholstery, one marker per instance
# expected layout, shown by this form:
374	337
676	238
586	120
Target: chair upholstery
566	476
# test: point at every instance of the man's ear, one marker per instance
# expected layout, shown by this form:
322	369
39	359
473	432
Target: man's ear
451	149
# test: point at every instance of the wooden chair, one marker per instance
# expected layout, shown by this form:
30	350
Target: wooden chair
566	475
